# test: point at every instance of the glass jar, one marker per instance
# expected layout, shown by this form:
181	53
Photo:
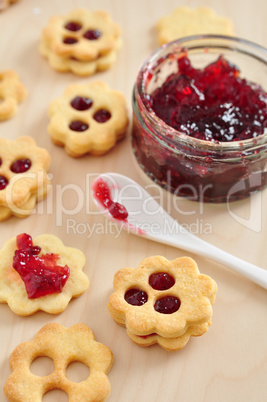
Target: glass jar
199	170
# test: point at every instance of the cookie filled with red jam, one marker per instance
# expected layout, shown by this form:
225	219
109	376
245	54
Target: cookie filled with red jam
200	118
40	274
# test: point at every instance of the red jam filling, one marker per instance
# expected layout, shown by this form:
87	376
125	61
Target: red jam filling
161	281
81	103
70	41
40	273
212	104
102	115
0	161
167	305
3	182
78	125
21	165
136	297
103	196
92	34
73	26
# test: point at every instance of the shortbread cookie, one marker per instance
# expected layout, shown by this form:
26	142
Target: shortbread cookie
88	118
81	68
186	21
163	301
23	176
82	42
63	346
40	274
4	4
12	92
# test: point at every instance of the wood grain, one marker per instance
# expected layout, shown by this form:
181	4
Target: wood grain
229	363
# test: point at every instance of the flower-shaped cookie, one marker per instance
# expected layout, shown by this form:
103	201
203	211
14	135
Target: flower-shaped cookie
40	275
186	21
163	301
23	176
88	118
63	346
11	93
82	42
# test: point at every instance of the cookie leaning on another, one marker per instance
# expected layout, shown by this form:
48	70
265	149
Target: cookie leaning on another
186	21
64	346
88	118
82	42
23	176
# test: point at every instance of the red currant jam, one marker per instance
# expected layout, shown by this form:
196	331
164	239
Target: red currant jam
136	297
213	104
92	34
167	305
102	194
21	165
40	273
73	26
78	125
3	182
161	281
70	41
81	103
102	115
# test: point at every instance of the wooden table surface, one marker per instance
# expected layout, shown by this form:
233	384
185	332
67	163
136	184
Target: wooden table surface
229	363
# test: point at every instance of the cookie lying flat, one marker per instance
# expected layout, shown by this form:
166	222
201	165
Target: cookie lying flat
186	21
12	92
88	118
82	42
64	346
163	301
40	274
23	176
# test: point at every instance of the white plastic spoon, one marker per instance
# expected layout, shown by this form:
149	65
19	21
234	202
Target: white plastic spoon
148	219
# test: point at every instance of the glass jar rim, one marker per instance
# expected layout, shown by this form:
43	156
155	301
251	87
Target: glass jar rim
240	45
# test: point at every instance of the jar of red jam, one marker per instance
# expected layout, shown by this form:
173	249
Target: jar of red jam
200	118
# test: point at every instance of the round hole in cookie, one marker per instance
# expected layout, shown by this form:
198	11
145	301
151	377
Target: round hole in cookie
3	182
167	305
78	125
81	103
102	115
77	371
55	395
20	165
136	297
92	34
42	366
161	281
70	41
0	161
73	26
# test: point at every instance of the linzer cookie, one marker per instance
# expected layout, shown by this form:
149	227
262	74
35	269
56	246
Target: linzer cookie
4	4
88	118
12	92
164	302
40	274
23	176
186	21
82	42
63	346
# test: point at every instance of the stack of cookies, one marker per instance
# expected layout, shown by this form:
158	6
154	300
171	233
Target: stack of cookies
164	302
82	42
